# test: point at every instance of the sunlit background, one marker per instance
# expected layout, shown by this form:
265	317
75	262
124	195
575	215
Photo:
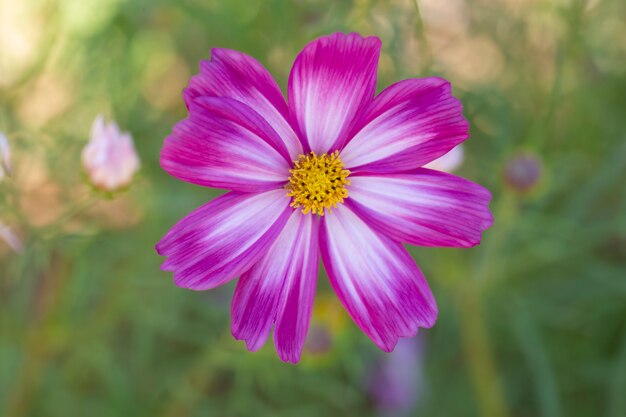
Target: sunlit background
532	322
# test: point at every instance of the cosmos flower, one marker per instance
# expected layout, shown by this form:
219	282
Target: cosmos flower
337	173
5	157
109	158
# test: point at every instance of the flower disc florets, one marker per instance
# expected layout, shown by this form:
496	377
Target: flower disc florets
318	182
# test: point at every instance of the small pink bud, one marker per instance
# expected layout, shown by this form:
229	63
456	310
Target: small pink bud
109	158
523	172
448	162
5	157
11	238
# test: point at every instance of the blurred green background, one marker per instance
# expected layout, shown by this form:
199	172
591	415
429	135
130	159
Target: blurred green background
532	322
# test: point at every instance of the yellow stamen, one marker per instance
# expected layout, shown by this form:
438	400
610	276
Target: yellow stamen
318	182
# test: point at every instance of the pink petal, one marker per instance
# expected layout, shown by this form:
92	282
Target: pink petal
375	278
409	124
296	301
423	207
239	76
224	238
331	81
226	144
280	289
449	162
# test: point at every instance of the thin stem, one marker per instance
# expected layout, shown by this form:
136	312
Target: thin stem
82	204
474	333
482	367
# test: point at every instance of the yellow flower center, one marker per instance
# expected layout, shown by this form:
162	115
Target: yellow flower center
318	182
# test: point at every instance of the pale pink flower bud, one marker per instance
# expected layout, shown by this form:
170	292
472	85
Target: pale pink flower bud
10	238
110	158
5	157
448	162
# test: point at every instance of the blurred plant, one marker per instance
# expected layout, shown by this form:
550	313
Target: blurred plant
319	340
329	323
110	158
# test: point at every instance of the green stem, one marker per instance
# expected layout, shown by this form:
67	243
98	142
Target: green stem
482	367
474	333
